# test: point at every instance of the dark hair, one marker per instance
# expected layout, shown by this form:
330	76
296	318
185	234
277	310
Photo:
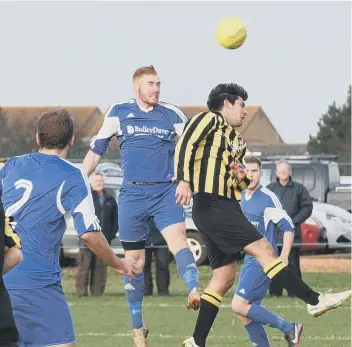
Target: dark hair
253	160
225	91
55	129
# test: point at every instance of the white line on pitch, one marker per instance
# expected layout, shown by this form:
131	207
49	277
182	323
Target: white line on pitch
111	304
228	337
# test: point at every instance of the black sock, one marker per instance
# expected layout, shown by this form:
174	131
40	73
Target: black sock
291	282
209	308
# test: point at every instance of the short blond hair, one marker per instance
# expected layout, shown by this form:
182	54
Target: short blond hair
144	70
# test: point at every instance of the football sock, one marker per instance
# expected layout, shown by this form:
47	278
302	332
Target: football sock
291	282
209	307
134	294
257	334
187	268
260	314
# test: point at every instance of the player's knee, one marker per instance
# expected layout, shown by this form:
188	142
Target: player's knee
262	250
224	283
239	306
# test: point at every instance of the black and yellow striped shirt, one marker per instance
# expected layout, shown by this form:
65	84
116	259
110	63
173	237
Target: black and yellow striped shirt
204	153
8	238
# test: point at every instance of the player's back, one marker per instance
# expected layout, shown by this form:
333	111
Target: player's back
34	187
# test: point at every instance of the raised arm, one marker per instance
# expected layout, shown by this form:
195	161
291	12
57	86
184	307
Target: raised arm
100	142
76	197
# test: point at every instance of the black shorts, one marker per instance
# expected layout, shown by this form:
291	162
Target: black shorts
8	330
225	228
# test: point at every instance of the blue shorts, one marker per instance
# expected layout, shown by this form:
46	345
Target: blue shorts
42	316
139	203
253	283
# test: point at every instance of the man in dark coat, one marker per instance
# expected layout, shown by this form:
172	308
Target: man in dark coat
298	203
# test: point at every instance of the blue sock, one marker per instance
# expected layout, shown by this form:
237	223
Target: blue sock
187	268
134	293
257	334
263	316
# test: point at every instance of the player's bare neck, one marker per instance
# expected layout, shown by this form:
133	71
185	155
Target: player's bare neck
249	192
62	153
143	105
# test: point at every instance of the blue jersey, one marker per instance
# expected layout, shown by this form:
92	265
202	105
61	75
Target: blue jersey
264	210
146	139
40	192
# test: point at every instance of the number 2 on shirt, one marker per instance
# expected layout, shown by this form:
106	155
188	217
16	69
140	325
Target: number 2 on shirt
28	187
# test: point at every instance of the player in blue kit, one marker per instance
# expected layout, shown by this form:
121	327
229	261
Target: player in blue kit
147	131
39	191
264	210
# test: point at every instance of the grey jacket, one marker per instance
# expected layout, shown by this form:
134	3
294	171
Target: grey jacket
296	201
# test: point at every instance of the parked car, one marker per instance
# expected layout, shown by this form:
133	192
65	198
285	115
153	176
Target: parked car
314	236
338	225
319	174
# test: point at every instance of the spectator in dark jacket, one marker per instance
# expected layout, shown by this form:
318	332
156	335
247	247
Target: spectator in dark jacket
156	244
89	265
299	206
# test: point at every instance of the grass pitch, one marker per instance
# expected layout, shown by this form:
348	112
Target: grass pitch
104	321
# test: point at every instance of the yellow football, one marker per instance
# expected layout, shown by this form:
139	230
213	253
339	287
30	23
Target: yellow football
231	32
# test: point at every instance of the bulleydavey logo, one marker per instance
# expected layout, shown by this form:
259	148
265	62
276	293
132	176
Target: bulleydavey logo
146	130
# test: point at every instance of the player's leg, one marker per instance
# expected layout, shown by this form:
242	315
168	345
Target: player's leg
255	331
249	280
276	288
294	264
42	316
274	268
169	218
260	314
175	237
223	276
216	218
134	228
134	290
252	287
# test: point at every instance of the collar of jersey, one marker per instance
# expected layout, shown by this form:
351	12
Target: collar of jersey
151	108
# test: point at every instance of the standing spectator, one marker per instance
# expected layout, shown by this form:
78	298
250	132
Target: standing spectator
156	244
299	206
89	265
